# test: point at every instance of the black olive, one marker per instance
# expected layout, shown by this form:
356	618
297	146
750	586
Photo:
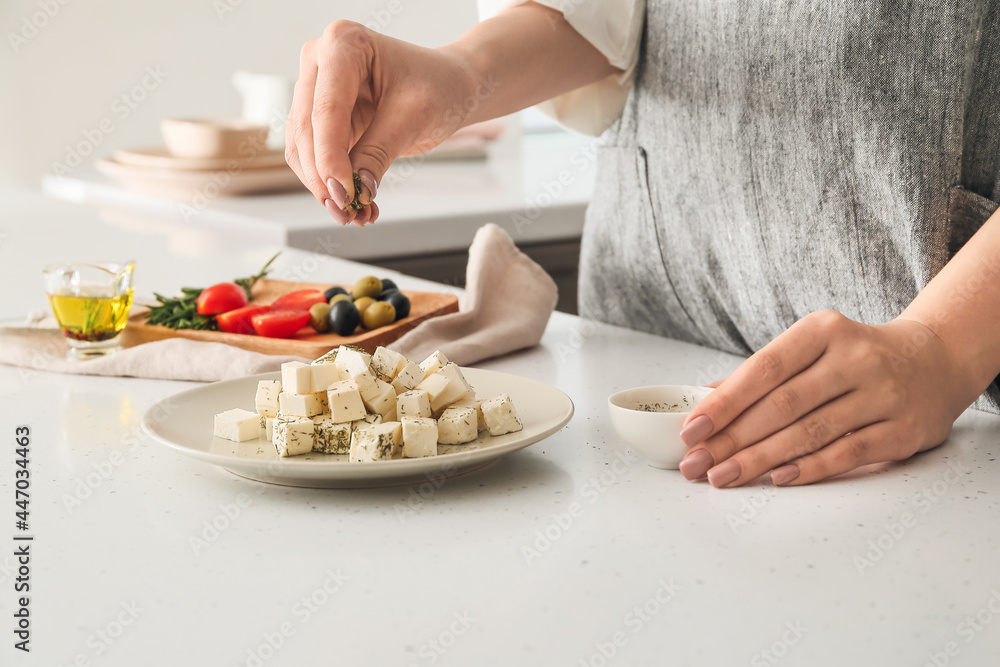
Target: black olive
388	284
386	292
401	303
333	291
344	317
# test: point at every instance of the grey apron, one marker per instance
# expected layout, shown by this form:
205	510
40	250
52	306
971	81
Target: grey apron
778	158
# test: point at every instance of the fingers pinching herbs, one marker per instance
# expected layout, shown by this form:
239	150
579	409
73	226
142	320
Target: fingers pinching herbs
344	58
298	135
789	354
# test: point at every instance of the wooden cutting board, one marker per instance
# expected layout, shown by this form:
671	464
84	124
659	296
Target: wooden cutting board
307	343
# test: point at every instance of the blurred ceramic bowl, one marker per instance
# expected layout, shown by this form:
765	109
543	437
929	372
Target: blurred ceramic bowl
649	420
225	138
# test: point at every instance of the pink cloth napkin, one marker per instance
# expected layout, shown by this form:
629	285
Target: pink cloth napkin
507	304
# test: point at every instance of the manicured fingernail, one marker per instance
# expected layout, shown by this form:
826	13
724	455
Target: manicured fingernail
363	215
369	182
696	464
697	430
725	473
784	474
336	213
337	193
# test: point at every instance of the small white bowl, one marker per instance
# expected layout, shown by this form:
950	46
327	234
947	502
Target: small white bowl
649	420
226	138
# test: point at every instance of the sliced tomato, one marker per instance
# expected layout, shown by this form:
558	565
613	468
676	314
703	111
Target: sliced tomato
221	298
280	323
238	321
302	299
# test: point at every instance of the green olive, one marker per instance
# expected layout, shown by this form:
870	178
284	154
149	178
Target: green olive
363	303
339	297
378	314
319	317
368	286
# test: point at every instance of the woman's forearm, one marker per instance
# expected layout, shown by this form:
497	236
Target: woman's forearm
526	54
962	306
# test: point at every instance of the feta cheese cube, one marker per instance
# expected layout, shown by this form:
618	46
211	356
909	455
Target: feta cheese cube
477	404
408	377
356	370
238	425
382	402
457	426
322	376
446	386
420	437
413	403
347	353
378	442
433	363
294	436
345	402
266	400
387	363
269	429
328	358
500	415
296	377
300	405
368	420
331	437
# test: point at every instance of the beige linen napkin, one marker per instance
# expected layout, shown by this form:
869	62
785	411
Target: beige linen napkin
507	303
41	348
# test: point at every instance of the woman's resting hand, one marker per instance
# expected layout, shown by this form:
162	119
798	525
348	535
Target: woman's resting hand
825	397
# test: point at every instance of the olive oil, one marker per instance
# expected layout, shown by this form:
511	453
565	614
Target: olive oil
91	315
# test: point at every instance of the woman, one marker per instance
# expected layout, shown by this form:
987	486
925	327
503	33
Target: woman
812	184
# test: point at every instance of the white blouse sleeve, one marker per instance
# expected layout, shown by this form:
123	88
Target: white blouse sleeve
614	27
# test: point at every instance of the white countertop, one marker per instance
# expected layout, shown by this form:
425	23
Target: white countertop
536	186
491	568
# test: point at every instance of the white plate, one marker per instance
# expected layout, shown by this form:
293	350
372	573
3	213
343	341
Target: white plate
160	158
198	186
184	422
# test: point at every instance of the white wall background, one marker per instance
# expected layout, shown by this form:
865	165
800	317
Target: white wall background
60	80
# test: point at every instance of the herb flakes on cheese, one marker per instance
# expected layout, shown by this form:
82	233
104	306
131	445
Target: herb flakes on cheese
500	415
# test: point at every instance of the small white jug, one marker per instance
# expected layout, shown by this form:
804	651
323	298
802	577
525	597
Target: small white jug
266	101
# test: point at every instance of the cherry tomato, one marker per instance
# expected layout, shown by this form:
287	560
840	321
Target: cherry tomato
238	321
221	298
280	323
302	299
